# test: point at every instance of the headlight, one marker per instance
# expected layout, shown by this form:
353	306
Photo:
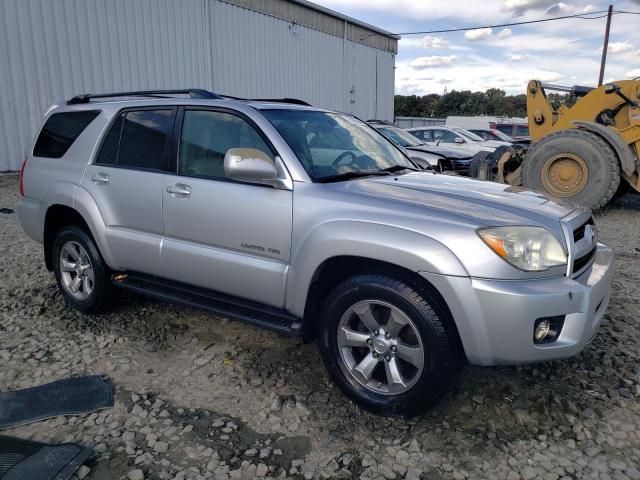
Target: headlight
533	249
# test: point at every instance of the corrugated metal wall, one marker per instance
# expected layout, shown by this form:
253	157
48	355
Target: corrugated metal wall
54	50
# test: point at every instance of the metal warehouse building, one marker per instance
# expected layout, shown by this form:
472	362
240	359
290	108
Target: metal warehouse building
55	49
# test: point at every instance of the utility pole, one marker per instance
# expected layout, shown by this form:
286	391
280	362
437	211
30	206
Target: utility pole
606	45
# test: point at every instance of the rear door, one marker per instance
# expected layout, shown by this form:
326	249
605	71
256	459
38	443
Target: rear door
221	234
126	180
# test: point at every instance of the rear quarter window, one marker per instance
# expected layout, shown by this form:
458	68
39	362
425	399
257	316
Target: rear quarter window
60	131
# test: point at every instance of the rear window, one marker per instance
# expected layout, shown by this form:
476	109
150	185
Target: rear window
60	131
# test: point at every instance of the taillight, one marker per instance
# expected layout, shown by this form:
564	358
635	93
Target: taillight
24	164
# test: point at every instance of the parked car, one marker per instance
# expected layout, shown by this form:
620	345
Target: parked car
310	223
438	158
498	135
455	138
517	131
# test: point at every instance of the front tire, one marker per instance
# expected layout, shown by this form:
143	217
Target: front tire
81	274
388	344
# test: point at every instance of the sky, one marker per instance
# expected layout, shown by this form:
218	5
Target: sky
563	52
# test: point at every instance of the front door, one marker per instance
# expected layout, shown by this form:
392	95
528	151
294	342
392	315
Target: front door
221	234
126	180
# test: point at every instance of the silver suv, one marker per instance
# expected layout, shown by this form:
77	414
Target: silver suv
310	223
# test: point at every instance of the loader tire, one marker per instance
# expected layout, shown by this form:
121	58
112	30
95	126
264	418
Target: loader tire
474	166
573	164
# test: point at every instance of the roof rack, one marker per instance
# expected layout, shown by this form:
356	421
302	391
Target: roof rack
294	101
192	92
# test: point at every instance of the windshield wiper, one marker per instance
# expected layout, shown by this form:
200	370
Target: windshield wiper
350	175
397	168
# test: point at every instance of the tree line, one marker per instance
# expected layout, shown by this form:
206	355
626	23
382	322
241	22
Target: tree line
493	102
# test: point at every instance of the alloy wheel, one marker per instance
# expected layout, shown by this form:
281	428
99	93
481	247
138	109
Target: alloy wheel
380	347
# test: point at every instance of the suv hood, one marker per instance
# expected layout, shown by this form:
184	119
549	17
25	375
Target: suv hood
469	201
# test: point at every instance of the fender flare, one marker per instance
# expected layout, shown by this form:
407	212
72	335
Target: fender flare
394	245
58	194
624	152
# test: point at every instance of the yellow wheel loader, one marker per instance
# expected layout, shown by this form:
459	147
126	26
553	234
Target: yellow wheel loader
584	153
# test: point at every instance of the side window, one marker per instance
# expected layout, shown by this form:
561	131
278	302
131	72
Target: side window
207	136
505	129
143	141
60	131
522	131
138	139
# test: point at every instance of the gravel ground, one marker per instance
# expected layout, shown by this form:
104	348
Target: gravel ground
202	397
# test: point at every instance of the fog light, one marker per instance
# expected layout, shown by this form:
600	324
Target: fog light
542	330
547	330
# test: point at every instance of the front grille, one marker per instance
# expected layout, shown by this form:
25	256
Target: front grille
580	263
578	233
584	259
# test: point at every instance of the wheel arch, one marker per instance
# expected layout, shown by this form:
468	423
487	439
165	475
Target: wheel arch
56	217
84	213
625	155
397	246
336	269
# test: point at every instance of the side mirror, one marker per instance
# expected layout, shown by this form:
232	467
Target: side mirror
251	166
459	140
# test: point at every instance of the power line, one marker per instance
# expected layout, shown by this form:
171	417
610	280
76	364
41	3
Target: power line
581	16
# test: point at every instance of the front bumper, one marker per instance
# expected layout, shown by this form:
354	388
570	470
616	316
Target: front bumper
495	318
461	166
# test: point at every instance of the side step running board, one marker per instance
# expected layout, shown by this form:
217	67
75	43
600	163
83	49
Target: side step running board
216	303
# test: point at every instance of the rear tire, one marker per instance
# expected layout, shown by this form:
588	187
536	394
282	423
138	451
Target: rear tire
81	274
407	380
574	164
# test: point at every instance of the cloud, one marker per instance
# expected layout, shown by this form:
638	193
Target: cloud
550	7
421	63
479	34
504	33
620	47
430	42
516	57
520	7
635	72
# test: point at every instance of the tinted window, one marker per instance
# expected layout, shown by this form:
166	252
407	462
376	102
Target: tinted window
143	142
424	135
206	137
522	131
60	131
505	129
109	152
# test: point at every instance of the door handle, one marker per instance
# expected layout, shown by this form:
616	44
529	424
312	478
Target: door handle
179	190
100	178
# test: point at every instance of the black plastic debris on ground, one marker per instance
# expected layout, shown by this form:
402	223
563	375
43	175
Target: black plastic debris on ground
70	396
6	210
23	459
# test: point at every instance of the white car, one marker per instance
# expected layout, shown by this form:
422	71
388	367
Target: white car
455	138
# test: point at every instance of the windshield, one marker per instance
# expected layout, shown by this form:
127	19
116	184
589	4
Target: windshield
468	135
329	145
502	135
400	137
